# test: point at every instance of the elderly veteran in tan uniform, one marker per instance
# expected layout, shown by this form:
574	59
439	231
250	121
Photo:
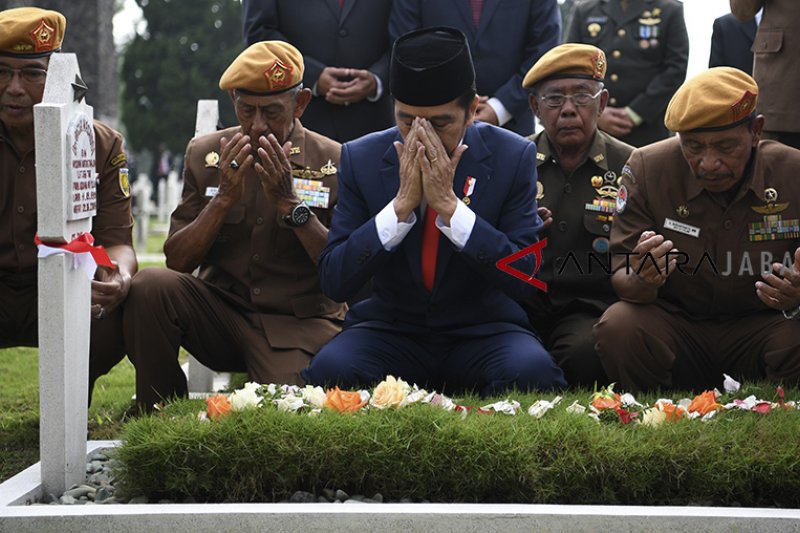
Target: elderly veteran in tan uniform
28	36
256	202
578	168
705	245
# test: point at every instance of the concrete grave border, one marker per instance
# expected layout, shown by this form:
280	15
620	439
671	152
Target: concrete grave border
26	487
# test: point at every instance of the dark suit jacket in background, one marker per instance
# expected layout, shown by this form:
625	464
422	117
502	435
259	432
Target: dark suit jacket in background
731	43
353	37
642	78
470	294
511	37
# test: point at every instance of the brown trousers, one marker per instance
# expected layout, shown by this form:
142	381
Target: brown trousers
166	310
19	321
645	347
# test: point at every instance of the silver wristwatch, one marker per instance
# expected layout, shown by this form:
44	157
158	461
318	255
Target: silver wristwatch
792	314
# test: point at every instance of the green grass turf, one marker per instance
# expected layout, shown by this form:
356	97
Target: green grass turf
425	453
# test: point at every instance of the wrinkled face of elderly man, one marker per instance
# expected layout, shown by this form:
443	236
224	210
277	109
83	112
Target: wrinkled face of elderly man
719	158
568	109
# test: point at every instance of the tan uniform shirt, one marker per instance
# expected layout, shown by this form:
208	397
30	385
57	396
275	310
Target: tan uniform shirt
257	261
726	246
111	225
576	261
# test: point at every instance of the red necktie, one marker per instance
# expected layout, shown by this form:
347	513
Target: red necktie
430	247
341	4
476	6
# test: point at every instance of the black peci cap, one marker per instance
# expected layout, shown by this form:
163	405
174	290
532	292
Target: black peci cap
431	67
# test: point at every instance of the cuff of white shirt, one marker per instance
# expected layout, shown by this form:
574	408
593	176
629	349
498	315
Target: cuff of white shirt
378	91
461	224
391	231
500	110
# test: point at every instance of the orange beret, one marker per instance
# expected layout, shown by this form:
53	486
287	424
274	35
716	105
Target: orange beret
268	67
718	99
31	32
571	60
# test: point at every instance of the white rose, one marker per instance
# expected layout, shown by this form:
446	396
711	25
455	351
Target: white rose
314	396
246	398
289	403
653	417
390	393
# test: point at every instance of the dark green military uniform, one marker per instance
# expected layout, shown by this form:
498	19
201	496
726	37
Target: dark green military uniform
647	48
578	282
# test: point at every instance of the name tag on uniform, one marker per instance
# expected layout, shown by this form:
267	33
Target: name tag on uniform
680	227
212	191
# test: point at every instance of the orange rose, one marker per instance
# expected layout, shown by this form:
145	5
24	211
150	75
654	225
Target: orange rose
673	412
343	401
218	406
606	399
704	403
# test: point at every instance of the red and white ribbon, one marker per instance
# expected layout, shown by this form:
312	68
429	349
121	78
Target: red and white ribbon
86	256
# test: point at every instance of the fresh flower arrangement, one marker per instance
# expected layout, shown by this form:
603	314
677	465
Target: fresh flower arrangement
605	405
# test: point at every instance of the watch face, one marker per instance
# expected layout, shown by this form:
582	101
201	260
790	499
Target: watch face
300	214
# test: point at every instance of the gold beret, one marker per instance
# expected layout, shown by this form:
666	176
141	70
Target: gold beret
718	99
569	60
268	67
31	32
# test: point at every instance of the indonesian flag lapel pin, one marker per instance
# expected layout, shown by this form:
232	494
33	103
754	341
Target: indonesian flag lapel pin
469	186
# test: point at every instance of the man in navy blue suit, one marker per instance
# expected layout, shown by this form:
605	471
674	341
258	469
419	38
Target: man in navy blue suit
731	43
426	209
505	39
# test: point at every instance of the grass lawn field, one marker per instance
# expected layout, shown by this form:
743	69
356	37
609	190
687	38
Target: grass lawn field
19	407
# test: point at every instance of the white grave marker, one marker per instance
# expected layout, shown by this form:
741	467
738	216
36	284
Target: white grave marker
201	378
66	201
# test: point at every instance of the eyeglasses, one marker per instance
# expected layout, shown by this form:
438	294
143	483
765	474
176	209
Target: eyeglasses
578	99
29	74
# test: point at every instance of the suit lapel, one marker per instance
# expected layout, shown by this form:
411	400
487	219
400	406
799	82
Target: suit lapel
634	11
465	11
333	5
348	7
489	7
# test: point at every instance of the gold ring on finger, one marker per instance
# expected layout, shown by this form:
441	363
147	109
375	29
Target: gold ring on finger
433	160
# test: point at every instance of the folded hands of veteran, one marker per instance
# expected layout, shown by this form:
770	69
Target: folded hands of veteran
781	288
426	168
275	172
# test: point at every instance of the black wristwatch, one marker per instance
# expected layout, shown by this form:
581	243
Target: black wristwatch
298	216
